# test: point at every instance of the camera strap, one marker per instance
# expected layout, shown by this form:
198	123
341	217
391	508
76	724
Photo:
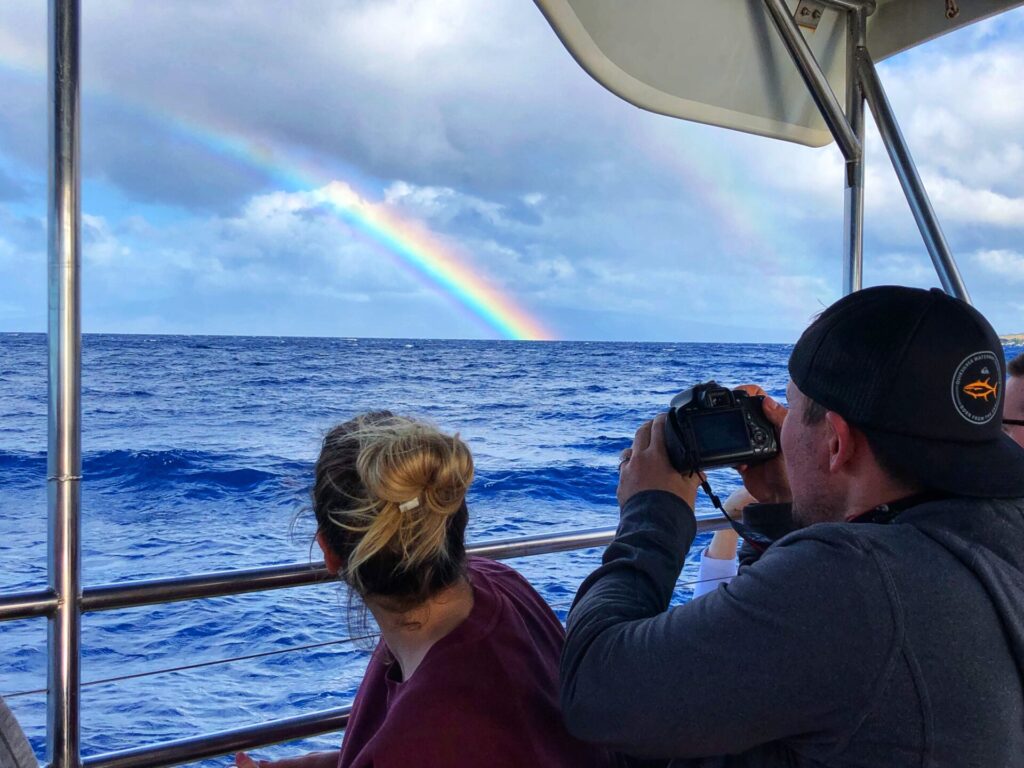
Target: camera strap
758	541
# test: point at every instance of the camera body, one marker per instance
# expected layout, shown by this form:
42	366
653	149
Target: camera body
711	426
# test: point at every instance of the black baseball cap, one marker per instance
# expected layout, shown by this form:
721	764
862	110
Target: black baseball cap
922	374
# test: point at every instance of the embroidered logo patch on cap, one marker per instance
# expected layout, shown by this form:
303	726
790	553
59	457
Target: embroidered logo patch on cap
976	387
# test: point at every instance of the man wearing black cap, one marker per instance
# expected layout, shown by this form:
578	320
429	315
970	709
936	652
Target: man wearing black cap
887	629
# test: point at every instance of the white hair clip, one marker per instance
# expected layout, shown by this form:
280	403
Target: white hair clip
410	505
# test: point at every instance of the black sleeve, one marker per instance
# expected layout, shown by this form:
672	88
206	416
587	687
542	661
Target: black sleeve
787	648
772	521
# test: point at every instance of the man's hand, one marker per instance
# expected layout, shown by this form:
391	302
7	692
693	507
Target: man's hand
645	467
768	481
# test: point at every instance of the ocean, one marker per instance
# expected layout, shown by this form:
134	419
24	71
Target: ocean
198	455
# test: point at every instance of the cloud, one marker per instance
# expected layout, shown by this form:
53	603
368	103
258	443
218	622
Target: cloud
287	259
479	127
975	206
437	93
1007	265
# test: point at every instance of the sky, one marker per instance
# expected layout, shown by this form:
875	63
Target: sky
444	169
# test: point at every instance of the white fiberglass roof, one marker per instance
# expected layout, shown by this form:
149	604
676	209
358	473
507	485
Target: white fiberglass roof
722	62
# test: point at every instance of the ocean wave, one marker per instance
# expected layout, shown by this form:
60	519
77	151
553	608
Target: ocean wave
161	469
566	482
603	444
17	467
198	469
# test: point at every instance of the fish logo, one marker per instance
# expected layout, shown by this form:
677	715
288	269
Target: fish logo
975	390
981	390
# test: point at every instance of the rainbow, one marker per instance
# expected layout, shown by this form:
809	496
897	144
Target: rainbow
419	250
435	263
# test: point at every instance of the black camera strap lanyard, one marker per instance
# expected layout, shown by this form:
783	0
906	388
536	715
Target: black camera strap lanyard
882	514
886	513
758	541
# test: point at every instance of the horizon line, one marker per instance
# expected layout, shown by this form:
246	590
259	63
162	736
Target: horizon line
396	338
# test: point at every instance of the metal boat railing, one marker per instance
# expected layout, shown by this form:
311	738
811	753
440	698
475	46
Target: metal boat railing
64	602
133	594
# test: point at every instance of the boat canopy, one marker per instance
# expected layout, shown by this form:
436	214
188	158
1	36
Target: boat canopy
722	62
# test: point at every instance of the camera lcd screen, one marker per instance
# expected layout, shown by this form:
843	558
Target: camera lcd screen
718	433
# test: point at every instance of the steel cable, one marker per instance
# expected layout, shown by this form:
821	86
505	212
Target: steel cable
201	664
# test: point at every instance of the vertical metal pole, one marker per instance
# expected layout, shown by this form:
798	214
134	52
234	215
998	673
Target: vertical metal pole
913	188
853	218
814	78
64	454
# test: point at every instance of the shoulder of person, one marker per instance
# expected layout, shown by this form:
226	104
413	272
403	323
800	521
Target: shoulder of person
853	537
498	572
828	576
851	552
512	590
486	565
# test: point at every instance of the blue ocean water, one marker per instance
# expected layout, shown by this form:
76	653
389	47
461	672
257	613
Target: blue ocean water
197	457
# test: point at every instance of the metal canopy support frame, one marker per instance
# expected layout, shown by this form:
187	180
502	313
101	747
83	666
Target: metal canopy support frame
848	129
853	200
64	449
815	79
906	171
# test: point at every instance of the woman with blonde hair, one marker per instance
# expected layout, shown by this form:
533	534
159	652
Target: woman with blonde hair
466	670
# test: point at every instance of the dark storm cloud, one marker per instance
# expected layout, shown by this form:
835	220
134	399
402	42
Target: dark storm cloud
440	95
152	163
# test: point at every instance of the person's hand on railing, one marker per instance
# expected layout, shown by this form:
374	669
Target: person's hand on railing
724	542
645	467
312	760
242	760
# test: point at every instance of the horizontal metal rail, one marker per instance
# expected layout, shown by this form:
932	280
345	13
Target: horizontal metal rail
25	605
224	742
132	594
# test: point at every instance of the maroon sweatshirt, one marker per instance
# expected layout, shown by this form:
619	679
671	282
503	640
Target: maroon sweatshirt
486	694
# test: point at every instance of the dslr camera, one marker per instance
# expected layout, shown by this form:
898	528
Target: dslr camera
712	426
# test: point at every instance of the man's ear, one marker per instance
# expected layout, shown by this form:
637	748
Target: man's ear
842	448
331	560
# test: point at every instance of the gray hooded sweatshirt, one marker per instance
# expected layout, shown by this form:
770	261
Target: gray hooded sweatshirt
845	644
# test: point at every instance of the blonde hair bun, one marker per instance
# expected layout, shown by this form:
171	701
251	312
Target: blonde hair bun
402	460
416	478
